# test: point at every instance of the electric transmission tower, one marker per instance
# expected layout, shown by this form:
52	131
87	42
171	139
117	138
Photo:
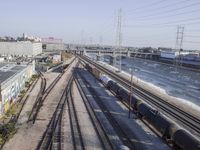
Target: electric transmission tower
179	44
119	35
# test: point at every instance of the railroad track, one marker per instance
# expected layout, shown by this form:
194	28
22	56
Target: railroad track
31	88
102	135
187	120
39	100
77	137
43	94
117	127
52	136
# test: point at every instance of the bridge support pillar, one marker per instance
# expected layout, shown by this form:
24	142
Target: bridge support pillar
128	53
98	57
84	52
111	60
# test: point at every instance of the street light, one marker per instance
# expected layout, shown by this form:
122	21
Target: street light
131	91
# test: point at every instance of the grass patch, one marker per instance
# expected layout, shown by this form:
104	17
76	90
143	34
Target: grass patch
12	110
6	132
34	77
27	84
22	93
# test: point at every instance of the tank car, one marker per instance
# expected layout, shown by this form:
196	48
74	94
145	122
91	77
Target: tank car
104	78
113	86
163	125
123	94
146	111
185	140
133	101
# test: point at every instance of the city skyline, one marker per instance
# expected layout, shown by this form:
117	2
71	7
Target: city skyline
144	23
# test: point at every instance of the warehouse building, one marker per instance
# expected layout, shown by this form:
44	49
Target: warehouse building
52	44
12	81
25	48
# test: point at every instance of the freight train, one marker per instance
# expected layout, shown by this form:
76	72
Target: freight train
167	129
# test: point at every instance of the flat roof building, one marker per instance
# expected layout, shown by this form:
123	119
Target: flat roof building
12	81
25	48
52	44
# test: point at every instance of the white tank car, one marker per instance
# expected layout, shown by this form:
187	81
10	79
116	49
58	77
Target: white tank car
104	78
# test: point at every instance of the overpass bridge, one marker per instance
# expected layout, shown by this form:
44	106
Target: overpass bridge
114	53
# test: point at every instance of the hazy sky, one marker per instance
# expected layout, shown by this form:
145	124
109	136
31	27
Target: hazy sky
144	22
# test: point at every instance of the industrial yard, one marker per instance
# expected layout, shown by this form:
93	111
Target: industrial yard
36	130
67	100
81	107
100	75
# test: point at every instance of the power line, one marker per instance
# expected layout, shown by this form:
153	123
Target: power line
192	42
150	44
192	36
148	5
194	31
148	41
166	6
167	16
169	11
150	37
169	23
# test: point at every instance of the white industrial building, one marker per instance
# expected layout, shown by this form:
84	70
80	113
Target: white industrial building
172	54
12	81
52	44
169	54
25	48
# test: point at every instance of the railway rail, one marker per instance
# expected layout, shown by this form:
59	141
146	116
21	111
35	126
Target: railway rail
117	127
39	99
77	137
187	120
102	135
52	136
43	94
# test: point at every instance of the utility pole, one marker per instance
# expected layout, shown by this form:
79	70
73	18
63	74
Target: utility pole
119	34
131	93
179	43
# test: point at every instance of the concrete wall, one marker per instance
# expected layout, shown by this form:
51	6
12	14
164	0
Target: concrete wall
20	48
53	46
10	89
